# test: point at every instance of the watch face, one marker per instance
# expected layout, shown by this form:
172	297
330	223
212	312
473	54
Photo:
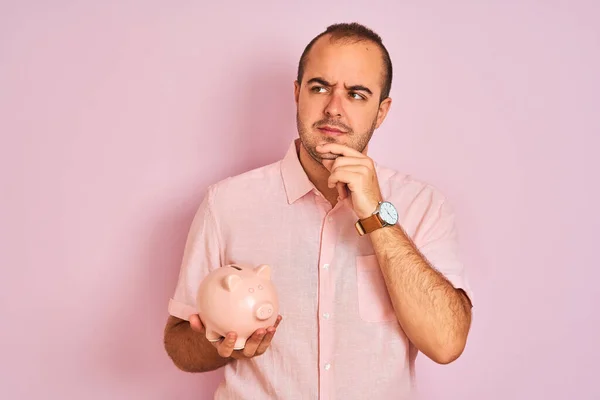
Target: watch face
388	213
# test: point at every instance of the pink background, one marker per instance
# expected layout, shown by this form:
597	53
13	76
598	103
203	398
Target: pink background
114	118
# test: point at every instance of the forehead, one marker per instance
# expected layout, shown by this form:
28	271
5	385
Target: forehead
346	61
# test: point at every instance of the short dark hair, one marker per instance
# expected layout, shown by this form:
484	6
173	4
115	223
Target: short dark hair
353	31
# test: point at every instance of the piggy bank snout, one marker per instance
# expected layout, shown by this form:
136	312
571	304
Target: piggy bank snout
264	311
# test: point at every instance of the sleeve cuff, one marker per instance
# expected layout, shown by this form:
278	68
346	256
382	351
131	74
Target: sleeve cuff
181	310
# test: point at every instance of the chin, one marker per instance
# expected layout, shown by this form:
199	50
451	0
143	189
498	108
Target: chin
331	139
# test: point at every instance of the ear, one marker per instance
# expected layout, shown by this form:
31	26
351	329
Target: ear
384	107
296	91
263	271
230	282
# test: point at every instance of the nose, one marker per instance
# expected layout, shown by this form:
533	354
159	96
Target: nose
264	311
334	106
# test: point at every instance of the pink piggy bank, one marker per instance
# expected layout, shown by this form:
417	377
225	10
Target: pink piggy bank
237	298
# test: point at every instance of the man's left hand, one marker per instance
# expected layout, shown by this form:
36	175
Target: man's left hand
356	171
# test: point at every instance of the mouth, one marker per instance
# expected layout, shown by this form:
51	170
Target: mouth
331	130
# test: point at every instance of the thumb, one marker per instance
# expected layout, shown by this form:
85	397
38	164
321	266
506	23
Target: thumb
341	187
328	164
342	190
196	324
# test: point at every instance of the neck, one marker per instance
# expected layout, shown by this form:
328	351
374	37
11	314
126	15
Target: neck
318	175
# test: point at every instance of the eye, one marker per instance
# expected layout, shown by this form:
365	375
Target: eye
356	96
318	89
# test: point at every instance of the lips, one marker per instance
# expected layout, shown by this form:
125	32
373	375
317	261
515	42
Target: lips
331	130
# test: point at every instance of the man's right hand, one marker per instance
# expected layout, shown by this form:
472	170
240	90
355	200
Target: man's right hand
256	344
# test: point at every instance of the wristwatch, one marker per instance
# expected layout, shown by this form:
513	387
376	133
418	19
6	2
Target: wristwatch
385	215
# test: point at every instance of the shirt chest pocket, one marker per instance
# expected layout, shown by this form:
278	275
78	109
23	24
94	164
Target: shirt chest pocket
374	304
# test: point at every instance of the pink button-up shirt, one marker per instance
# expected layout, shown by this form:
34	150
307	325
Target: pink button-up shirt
339	337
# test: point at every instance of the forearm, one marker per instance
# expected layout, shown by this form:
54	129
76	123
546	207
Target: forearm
190	350
434	315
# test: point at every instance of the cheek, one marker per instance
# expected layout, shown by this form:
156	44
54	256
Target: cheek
367	117
308	110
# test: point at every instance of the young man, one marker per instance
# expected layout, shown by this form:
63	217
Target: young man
364	258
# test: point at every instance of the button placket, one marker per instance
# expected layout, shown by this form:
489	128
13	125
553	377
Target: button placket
326	296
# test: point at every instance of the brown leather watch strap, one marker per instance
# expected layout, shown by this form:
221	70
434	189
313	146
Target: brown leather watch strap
368	225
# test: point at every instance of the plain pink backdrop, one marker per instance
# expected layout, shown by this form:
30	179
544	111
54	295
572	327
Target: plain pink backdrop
115	116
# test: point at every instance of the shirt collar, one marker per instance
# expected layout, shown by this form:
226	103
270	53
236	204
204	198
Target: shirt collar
294	177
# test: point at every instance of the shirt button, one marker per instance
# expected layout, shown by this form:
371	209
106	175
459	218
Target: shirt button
326	266
326	315
327	366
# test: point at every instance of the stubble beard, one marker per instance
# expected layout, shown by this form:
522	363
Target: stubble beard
310	141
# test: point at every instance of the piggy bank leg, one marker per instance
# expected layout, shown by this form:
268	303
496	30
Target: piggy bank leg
240	343
213	336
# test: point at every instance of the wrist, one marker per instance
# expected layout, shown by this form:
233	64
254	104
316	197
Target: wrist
385	214
367	211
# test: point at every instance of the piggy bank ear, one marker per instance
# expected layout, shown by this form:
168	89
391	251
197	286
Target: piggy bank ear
263	271
230	282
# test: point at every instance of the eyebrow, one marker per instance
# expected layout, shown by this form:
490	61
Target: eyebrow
356	88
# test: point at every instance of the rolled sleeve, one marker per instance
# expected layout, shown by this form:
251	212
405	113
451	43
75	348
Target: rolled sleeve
440	246
201	255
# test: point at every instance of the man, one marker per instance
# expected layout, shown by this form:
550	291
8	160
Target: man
364	258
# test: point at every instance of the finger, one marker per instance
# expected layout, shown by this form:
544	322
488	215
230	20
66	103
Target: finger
341	189
359	169
328	164
351	176
225	346
253	342
196	323
266	342
345	161
340	149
